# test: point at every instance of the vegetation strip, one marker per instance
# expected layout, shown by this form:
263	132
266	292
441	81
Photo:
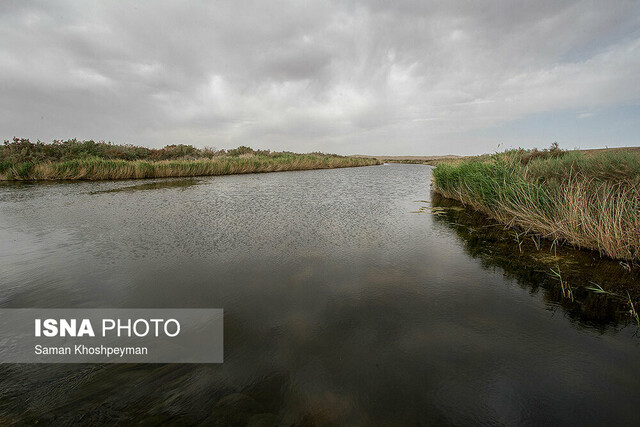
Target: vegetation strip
21	159
587	200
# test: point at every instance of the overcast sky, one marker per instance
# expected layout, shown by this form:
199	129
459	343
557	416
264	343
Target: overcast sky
412	77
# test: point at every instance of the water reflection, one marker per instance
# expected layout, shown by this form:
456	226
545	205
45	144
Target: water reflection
532	262
182	183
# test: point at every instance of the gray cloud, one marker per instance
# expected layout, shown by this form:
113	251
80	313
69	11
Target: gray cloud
376	77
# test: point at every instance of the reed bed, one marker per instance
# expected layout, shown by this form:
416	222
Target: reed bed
106	169
589	201
21	159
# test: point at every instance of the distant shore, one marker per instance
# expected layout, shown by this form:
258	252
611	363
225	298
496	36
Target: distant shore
23	160
420	160
452	158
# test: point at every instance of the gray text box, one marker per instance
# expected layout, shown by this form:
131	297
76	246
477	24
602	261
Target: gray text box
111	335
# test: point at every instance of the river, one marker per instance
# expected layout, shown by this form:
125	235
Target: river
351	297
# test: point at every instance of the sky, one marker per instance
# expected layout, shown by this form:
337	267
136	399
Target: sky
382	78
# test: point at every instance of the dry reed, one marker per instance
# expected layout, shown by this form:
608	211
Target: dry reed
106	169
599	212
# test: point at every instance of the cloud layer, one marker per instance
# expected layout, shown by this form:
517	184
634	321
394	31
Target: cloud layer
410	77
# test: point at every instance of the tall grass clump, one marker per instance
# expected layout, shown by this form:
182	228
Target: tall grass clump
589	200
21	159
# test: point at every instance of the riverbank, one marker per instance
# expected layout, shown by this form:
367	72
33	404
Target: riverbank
22	160
589	287
588	200
415	160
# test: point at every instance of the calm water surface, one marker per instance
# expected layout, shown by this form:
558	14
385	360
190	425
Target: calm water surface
345	303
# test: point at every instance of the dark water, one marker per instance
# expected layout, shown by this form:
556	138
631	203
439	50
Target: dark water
345	303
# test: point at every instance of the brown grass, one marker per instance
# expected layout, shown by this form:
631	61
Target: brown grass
106	169
589	201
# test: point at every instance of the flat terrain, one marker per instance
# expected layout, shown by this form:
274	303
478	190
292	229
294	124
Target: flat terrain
428	160
435	160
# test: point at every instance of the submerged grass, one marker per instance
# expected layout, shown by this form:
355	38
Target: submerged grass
587	200
590	288
75	160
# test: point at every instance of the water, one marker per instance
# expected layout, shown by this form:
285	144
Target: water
345	303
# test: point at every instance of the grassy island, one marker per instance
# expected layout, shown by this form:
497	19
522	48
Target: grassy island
21	159
586	199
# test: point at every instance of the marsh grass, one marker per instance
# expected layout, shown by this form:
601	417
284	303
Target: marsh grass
587	200
567	290
22	160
